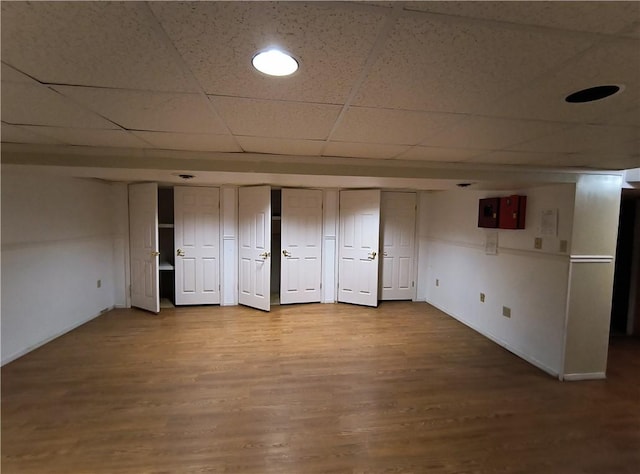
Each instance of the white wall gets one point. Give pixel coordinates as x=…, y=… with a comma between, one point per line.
x=58, y=239
x=531, y=282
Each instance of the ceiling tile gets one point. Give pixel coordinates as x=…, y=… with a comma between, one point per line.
x=611, y=161
x=189, y=141
x=434, y=63
x=263, y=118
x=39, y=105
x=110, y=44
x=399, y=127
x=363, y=150
x=629, y=117
x=18, y=134
x=91, y=137
x=10, y=74
x=281, y=146
x=582, y=138
x=430, y=153
x=582, y=160
x=159, y=111
x=331, y=43
x=613, y=62
x=516, y=158
x=597, y=17
x=491, y=133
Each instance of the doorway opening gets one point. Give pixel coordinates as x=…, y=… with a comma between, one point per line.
x=276, y=241
x=625, y=306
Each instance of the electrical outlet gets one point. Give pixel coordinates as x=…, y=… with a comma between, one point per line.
x=99, y=284
x=506, y=312
x=563, y=246
x=437, y=282
x=482, y=297
x=537, y=243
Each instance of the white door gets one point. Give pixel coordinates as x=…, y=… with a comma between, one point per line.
x=358, y=247
x=254, y=235
x=398, y=216
x=143, y=246
x=301, y=234
x=197, y=245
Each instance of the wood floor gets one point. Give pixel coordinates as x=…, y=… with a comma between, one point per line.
x=306, y=389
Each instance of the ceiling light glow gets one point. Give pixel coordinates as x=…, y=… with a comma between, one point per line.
x=275, y=63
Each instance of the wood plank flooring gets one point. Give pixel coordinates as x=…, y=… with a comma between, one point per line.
x=308, y=389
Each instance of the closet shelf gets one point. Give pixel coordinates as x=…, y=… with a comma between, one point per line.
x=165, y=226
x=165, y=266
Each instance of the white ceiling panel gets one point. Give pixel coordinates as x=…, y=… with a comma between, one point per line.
x=265, y=118
x=330, y=41
x=435, y=63
x=430, y=153
x=91, y=137
x=189, y=141
x=613, y=62
x=584, y=138
x=281, y=146
x=110, y=44
x=398, y=127
x=39, y=105
x=155, y=111
x=580, y=160
x=611, y=161
x=18, y=134
x=364, y=150
x=491, y=133
x=9, y=74
x=629, y=117
x=517, y=158
x=597, y=17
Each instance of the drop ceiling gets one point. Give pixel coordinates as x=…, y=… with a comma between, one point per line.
x=413, y=86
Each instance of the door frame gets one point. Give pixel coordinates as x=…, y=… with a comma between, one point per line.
x=414, y=270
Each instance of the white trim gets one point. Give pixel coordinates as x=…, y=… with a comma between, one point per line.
x=70, y=328
x=532, y=360
x=591, y=258
x=585, y=376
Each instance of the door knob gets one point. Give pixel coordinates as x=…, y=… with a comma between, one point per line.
x=372, y=255
x=265, y=255
x=180, y=253
x=155, y=254
x=286, y=253
x=384, y=254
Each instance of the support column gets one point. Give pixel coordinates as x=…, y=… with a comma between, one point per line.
x=593, y=247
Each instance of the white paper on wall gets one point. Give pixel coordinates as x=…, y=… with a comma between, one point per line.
x=549, y=222
x=491, y=242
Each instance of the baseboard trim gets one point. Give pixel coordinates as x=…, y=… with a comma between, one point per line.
x=20, y=353
x=532, y=360
x=585, y=376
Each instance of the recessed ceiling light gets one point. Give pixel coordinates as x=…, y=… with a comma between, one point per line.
x=591, y=94
x=275, y=63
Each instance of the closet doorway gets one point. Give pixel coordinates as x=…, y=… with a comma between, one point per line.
x=280, y=241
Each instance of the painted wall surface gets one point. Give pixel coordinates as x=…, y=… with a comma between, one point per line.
x=57, y=242
x=531, y=282
x=595, y=231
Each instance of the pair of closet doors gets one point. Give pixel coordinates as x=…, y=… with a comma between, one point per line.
x=192, y=253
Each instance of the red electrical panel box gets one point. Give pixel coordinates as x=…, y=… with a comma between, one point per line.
x=488, y=212
x=512, y=212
